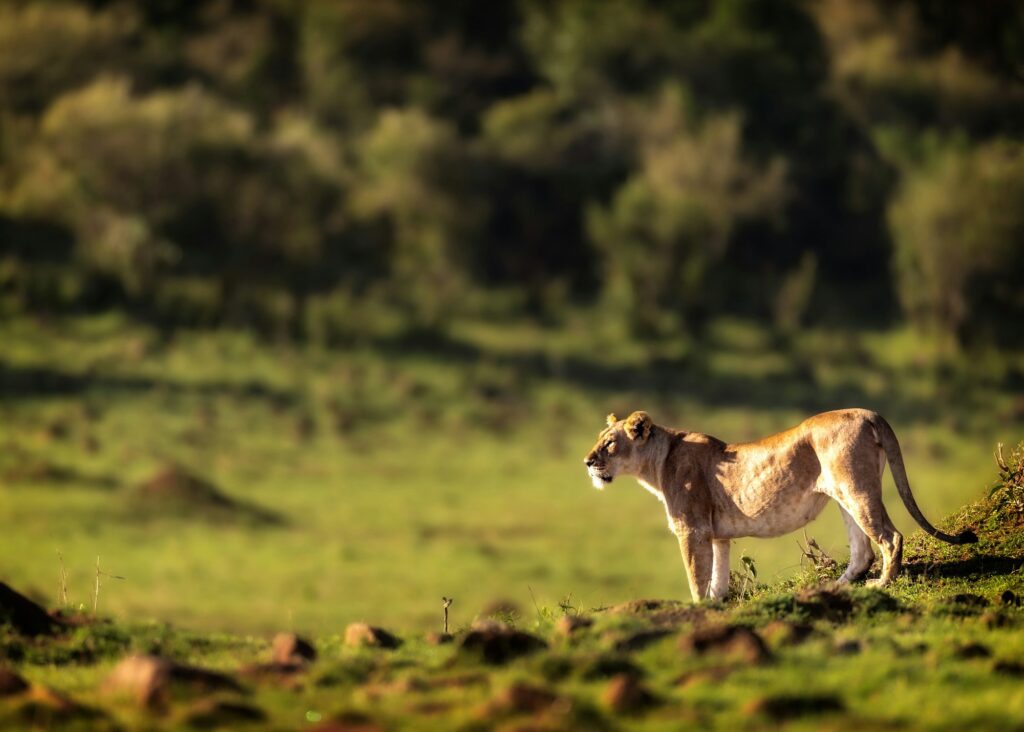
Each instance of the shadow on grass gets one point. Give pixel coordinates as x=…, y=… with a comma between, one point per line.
x=979, y=566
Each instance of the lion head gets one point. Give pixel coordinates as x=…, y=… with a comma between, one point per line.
x=618, y=448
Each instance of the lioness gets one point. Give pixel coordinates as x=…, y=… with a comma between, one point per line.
x=714, y=492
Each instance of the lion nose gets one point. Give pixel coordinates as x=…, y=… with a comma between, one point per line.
x=589, y=461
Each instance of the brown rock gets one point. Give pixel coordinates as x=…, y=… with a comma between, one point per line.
x=438, y=639
x=734, y=641
x=361, y=634
x=10, y=683
x=626, y=695
x=500, y=644
x=569, y=625
x=152, y=679
x=784, y=707
x=25, y=616
x=289, y=648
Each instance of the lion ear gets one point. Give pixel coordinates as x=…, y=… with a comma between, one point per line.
x=638, y=426
x=611, y=419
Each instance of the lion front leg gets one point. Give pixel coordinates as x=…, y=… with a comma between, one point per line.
x=698, y=558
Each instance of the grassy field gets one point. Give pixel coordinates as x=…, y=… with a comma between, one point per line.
x=394, y=471
x=940, y=649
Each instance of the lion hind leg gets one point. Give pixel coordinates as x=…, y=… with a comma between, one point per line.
x=861, y=554
x=871, y=517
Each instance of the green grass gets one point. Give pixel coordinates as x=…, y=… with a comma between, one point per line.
x=407, y=472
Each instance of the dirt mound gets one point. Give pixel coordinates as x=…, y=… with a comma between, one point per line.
x=175, y=491
x=626, y=694
x=497, y=644
x=735, y=642
x=660, y=612
x=361, y=634
x=25, y=616
x=153, y=680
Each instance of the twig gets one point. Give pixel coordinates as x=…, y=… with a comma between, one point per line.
x=999, y=458
x=819, y=559
x=96, y=591
x=447, y=603
x=62, y=587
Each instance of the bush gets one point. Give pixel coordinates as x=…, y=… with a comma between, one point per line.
x=958, y=226
x=670, y=223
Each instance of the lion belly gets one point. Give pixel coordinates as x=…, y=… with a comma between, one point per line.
x=766, y=493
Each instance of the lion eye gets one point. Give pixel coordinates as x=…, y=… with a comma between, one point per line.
x=610, y=448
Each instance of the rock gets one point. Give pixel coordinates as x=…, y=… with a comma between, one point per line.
x=626, y=695
x=363, y=635
x=568, y=625
x=25, y=616
x=151, y=680
x=11, y=684
x=289, y=648
x=640, y=639
x=790, y=706
x=972, y=650
x=734, y=641
x=785, y=633
x=500, y=644
x=438, y=639
x=218, y=713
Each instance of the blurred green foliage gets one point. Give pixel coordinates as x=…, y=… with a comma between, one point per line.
x=313, y=169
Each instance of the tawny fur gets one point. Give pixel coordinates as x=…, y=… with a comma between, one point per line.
x=714, y=492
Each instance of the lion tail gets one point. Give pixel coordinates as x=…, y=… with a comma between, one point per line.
x=899, y=473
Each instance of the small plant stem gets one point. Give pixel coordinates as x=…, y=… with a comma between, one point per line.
x=96, y=592
x=447, y=603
